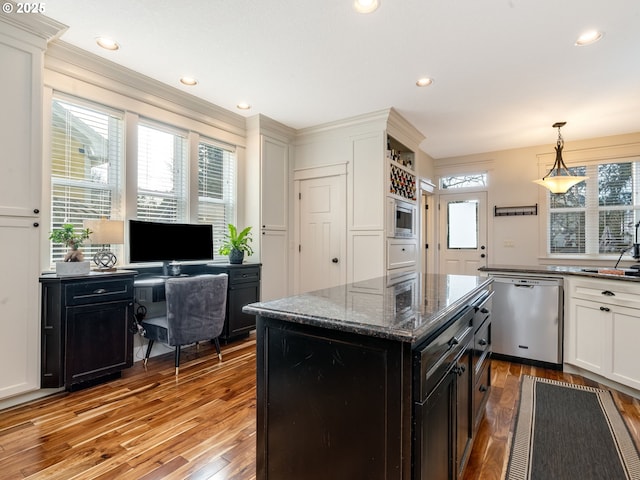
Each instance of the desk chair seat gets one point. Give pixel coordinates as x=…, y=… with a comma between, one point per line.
x=195, y=312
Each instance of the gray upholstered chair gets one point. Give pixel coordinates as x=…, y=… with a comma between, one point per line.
x=195, y=312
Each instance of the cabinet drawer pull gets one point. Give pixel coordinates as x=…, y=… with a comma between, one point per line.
x=482, y=342
x=605, y=309
x=608, y=293
x=100, y=291
x=483, y=388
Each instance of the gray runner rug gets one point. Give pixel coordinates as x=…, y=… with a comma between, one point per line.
x=566, y=431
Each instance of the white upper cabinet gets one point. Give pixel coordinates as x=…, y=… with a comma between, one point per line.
x=274, y=183
x=20, y=128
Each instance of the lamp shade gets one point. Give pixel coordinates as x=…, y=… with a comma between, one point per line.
x=105, y=231
x=559, y=183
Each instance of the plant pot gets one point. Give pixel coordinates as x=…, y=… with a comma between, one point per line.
x=72, y=268
x=236, y=257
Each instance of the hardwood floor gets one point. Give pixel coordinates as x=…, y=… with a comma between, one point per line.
x=150, y=425
x=490, y=455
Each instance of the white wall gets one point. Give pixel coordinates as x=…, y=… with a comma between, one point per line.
x=517, y=240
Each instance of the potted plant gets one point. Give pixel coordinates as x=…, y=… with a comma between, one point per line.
x=236, y=244
x=73, y=262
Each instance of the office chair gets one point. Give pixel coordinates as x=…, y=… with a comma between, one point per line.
x=195, y=312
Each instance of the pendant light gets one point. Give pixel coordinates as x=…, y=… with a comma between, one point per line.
x=562, y=180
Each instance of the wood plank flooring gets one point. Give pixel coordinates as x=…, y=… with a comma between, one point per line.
x=150, y=425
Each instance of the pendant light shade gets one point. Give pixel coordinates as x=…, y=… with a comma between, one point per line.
x=558, y=179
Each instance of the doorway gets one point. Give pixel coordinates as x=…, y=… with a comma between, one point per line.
x=463, y=233
x=322, y=233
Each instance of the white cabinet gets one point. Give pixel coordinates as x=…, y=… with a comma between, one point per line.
x=19, y=318
x=603, y=327
x=274, y=224
x=22, y=43
x=274, y=187
x=273, y=245
x=21, y=100
x=267, y=201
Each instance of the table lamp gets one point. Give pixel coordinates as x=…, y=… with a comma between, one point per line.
x=105, y=232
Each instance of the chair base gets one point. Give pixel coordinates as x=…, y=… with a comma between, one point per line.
x=216, y=341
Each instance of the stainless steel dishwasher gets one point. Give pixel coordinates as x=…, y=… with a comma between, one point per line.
x=527, y=318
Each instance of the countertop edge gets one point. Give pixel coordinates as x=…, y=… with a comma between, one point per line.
x=559, y=270
x=415, y=336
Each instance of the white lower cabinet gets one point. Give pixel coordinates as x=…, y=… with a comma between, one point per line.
x=603, y=328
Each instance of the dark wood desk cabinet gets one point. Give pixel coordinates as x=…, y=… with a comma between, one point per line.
x=86, y=330
x=244, y=288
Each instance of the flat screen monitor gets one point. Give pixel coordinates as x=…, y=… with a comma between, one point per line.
x=168, y=242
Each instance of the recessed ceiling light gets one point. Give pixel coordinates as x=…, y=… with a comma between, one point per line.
x=243, y=106
x=365, y=6
x=588, y=38
x=107, y=43
x=189, y=81
x=424, y=82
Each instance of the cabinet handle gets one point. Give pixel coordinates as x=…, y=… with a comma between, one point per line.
x=36, y=211
x=608, y=293
x=605, y=309
x=100, y=291
x=484, y=310
x=483, y=388
x=482, y=342
x=36, y=224
x=334, y=260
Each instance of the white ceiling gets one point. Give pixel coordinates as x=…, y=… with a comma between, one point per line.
x=504, y=70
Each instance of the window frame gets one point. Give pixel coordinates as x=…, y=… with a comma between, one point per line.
x=192, y=131
x=115, y=187
x=591, y=159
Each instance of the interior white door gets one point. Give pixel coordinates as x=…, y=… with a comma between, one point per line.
x=463, y=233
x=322, y=233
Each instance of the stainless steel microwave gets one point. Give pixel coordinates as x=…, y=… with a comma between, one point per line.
x=404, y=224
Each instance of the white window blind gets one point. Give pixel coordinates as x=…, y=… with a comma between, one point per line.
x=216, y=188
x=597, y=216
x=86, y=166
x=162, y=175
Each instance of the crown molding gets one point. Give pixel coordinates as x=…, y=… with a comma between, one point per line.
x=68, y=60
x=41, y=26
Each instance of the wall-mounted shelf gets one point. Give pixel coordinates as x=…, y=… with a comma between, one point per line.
x=513, y=211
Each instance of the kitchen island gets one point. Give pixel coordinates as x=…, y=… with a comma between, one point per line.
x=341, y=377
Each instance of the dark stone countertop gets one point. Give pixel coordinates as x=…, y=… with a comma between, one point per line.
x=406, y=308
x=624, y=274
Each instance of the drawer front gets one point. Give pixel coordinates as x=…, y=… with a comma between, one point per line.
x=616, y=292
x=481, y=391
x=482, y=346
x=98, y=291
x=244, y=275
x=401, y=254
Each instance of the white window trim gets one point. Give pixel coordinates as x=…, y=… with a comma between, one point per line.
x=580, y=157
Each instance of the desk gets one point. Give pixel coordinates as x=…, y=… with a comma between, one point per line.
x=243, y=289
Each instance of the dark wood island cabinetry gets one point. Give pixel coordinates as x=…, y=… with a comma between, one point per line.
x=370, y=380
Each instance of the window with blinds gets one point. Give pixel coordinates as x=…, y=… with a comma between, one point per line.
x=86, y=167
x=216, y=188
x=597, y=216
x=162, y=175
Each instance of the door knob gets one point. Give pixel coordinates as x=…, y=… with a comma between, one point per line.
x=334, y=260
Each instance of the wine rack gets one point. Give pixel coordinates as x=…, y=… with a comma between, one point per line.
x=402, y=183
